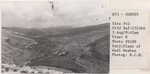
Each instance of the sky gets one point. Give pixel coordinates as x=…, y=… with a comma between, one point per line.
x=39, y=14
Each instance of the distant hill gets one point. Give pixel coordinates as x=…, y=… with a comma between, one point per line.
x=35, y=32
x=79, y=30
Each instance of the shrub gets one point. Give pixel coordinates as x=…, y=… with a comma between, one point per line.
x=23, y=71
x=6, y=69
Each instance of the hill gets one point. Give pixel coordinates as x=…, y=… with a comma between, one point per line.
x=36, y=32
x=15, y=48
x=78, y=49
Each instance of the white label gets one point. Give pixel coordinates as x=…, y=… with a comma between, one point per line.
x=129, y=39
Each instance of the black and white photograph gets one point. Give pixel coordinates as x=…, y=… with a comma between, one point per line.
x=55, y=36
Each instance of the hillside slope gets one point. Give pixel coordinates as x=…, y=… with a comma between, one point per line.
x=15, y=48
